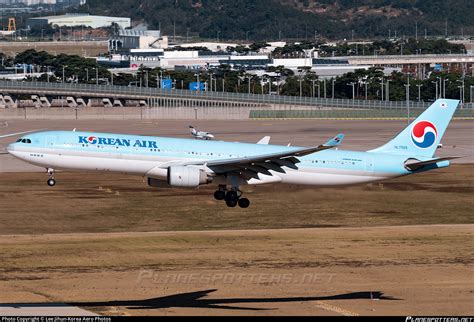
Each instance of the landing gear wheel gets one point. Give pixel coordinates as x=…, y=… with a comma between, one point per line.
x=219, y=195
x=231, y=195
x=231, y=203
x=244, y=203
x=51, y=182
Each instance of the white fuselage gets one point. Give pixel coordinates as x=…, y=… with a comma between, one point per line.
x=318, y=169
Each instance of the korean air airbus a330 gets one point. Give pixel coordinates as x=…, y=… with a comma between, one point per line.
x=189, y=163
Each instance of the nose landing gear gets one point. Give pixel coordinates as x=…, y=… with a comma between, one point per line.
x=232, y=197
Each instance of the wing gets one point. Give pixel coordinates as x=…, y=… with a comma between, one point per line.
x=18, y=133
x=251, y=166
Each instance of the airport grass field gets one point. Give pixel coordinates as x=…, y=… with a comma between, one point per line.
x=91, y=202
x=110, y=244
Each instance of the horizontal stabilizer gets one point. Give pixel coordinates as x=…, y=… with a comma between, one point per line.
x=414, y=164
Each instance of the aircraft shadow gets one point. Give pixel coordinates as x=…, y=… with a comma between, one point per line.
x=198, y=300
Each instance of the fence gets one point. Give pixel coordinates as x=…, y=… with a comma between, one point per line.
x=88, y=90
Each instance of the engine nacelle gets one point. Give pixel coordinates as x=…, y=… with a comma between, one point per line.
x=187, y=176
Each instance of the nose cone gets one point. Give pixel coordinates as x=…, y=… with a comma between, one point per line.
x=11, y=147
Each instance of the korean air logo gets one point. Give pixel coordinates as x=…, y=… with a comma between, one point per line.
x=92, y=140
x=443, y=104
x=424, y=134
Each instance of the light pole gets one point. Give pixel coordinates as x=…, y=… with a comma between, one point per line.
x=96, y=76
x=388, y=90
x=63, y=71
x=407, y=86
x=324, y=84
x=300, y=74
x=471, y=87
x=382, y=86
x=319, y=89
x=353, y=89
x=436, y=83
x=460, y=94
x=440, y=87
x=444, y=87
x=112, y=78
x=301, y=87
x=333, y=81
x=197, y=80
x=87, y=75
x=313, y=92
x=461, y=91
x=419, y=91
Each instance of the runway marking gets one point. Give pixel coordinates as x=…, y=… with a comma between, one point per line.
x=336, y=309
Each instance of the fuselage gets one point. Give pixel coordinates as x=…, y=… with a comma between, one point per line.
x=146, y=155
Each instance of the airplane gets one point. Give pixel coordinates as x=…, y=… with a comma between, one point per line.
x=187, y=163
x=201, y=135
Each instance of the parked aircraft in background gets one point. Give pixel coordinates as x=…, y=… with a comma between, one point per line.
x=201, y=135
x=186, y=163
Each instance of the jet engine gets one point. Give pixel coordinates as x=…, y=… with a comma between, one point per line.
x=187, y=176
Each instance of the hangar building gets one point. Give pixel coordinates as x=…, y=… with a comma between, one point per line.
x=73, y=20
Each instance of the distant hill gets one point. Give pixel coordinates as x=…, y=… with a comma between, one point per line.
x=275, y=19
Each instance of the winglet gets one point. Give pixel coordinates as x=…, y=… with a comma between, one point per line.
x=264, y=140
x=335, y=141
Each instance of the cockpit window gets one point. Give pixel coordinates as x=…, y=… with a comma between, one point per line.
x=28, y=141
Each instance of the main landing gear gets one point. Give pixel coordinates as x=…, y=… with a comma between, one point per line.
x=51, y=182
x=232, y=197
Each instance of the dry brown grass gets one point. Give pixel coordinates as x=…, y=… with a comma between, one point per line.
x=91, y=202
